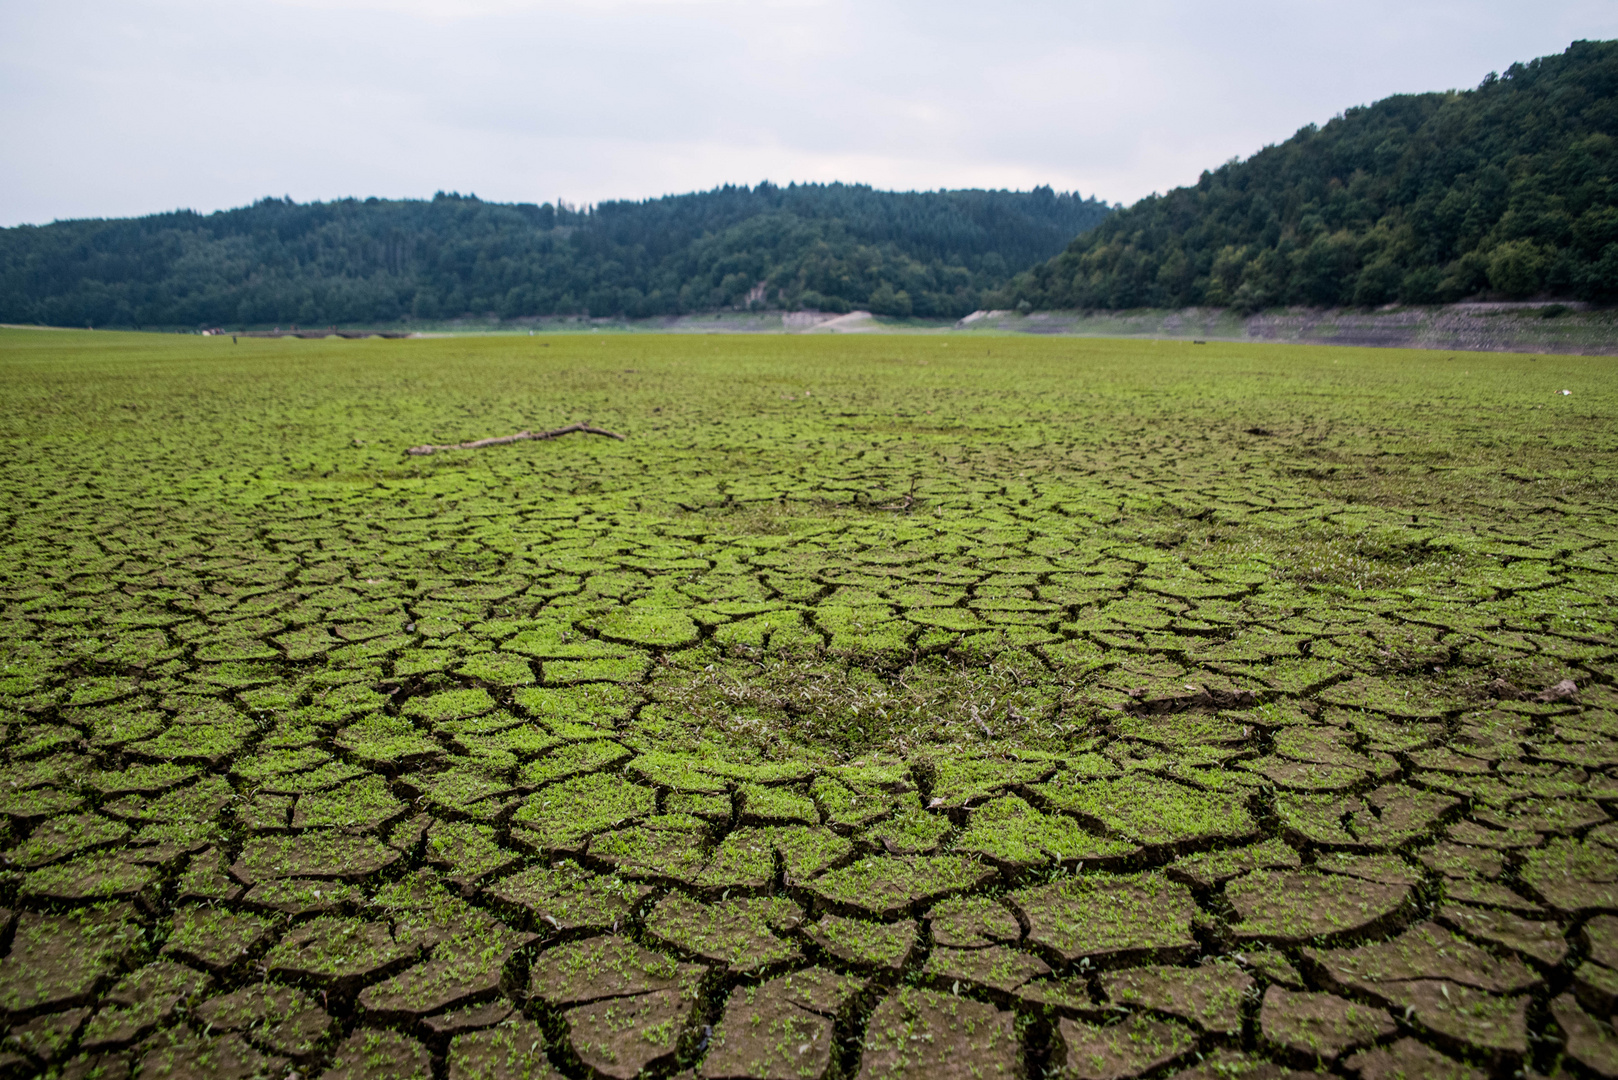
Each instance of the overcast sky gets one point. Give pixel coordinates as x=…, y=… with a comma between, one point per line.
x=117, y=107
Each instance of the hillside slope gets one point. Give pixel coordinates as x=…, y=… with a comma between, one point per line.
x=832, y=247
x=1510, y=189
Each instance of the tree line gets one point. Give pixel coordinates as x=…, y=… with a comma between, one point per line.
x=1509, y=190
x=832, y=247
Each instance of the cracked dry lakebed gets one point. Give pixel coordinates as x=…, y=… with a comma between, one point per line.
x=875, y=708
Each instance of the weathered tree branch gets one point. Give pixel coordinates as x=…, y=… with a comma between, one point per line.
x=501, y=440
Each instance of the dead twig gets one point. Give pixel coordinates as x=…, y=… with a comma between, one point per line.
x=501, y=440
x=907, y=503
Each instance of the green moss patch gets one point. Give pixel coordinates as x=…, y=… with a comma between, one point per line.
x=1212, y=868
x=676, y=772
x=1014, y=836
x=846, y=807
x=278, y=762
x=912, y=831
x=215, y=938
x=498, y=669
x=573, y=759
x=765, y=1033
x=1424, y=952
x=744, y=934
x=197, y=802
x=1107, y=918
x=887, y=886
x=466, y=851
x=140, y=1001
x=1290, y=907
x=1209, y=997
x=992, y=968
x=622, y=1037
x=918, y=1033
x=972, y=922
x=379, y=1054
x=520, y=740
x=959, y=782
x=1149, y=810
x=805, y=852
x=468, y=789
x=62, y=837
x=1320, y=1026
x=511, y=1051
x=359, y=804
x=449, y=705
x=714, y=809
x=324, y=778
x=563, y=816
x=468, y=968
x=763, y=805
x=649, y=629
x=57, y=960
x=388, y=742
x=104, y=876
x=865, y=944
x=674, y=850
x=1128, y=1047
x=611, y=670
x=600, y=968
x=151, y=779
x=338, y=954
x=566, y=897
x=113, y=729
x=285, y=1020
x=603, y=705
x=339, y=855
x=1573, y=875
x=208, y=744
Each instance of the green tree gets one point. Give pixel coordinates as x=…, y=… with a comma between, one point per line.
x=1378, y=283
x=1517, y=268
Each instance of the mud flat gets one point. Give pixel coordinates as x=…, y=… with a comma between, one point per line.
x=1568, y=328
x=878, y=706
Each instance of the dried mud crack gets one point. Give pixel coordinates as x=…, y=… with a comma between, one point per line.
x=1097, y=710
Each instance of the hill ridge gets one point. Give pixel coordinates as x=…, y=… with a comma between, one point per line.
x=1509, y=190
x=834, y=247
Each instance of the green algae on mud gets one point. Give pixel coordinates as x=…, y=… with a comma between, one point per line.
x=974, y=665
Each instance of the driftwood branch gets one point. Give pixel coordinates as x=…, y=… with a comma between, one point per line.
x=501, y=440
x=907, y=502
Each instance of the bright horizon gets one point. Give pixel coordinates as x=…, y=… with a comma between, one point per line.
x=114, y=110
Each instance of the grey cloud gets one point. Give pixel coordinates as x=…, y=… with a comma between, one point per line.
x=141, y=105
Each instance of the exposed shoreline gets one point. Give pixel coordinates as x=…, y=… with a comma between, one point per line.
x=1568, y=328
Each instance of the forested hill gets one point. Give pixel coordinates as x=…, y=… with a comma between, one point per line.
x=832, y=247
x=1509, y=190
